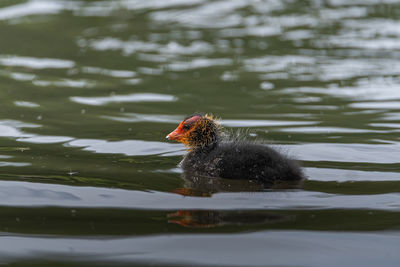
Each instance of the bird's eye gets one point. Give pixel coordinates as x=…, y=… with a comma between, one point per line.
x=186, y=127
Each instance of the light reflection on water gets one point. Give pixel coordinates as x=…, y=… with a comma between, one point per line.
x=89, y=89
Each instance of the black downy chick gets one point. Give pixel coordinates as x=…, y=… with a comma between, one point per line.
x=209, y=155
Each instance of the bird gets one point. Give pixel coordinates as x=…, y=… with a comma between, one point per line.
x=212, y=154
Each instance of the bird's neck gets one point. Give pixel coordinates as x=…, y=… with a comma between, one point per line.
x=204, y=148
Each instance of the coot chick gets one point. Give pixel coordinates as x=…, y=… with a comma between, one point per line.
x=210, y=155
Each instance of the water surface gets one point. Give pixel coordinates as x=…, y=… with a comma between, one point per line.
x=89, y=89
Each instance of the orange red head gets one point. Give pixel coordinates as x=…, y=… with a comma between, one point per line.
x=184, y=128
x=196, y=130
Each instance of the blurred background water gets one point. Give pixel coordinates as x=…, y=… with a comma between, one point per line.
x=89, y=89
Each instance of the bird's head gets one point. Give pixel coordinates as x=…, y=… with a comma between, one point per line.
x=196, y=131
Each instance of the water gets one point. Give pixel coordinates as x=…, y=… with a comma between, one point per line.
x=89, y=89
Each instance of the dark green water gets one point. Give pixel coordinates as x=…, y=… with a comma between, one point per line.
x=89, y=90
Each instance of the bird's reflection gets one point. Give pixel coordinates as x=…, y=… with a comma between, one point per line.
x=200, y=186
x=203, y=186
x=216, y=218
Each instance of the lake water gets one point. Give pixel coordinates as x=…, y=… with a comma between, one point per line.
x=89, y=90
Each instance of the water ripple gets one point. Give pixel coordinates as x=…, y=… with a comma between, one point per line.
x=112, y=73
x=126, y=147
x=328, y=130
x=14, y=164
x=198, y=63
x=42, y=139
x=259, y=123
x=138, y=97
x=135, y=117
x=36, y=63
x=22, y=194
x=324, y=174
x=10, y=128
x=395, y=105
x=32, y=7
x=280, y=248
x=66, y=83
x=26, y=104
x=363, y=89
x=372, y=153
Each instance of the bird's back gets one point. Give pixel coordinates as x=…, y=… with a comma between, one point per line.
x=242, y=160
